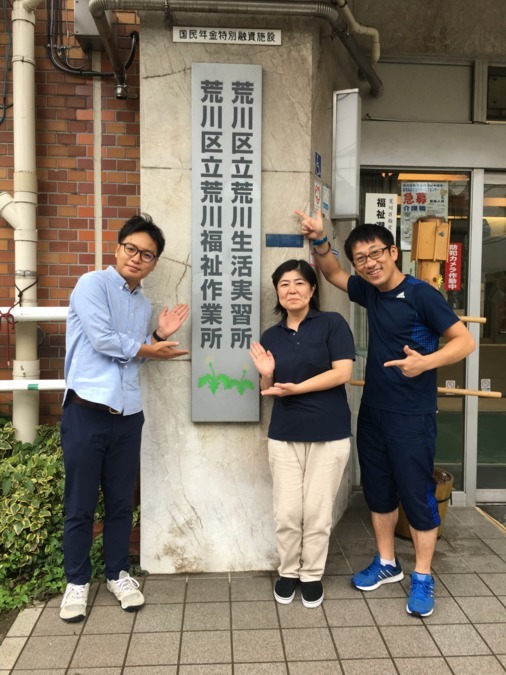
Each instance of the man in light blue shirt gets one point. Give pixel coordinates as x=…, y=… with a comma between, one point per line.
x=108, y=338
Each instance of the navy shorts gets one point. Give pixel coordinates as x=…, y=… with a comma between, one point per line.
x=396, y=454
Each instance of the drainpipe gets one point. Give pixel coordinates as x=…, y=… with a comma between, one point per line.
x=359, y=29
x=337, y=16
x=20, y=212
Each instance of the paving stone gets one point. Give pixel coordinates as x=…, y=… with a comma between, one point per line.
x=253, y=588
x=359, y=642
x=351, y=530
x=257, y=614
x=101, y=619
x=337, y=564
x=100, y=650
x=146, y=670
x=162, y=591
x=259, y=669
x=496, y=583
x=487, y=530
x=46, y=652
x=296, y=615
x=422, y=665
x=390, y=612
x=465, y=585
x=314, y=668
x=25, y=621
x=462, y=640
x=367, y=547
x=257, y=646
x=457, y=531
x=494, y=635
x=471, y=665
x=207, y=616
x=497, y=545
x=10, y=649
x=201, y=589
x=213, y=669
x=91, y=671
x=154, y=618
x=308, y=644
x=152, y=649
x=446, y=610
x=206, y=647
x=49, y=623
x=339, y=586
x=483, y=610
x=449, y=562
x=369, y=667
x=472, y=546
x=483, y=564
x=348, y=613
x=409, y=641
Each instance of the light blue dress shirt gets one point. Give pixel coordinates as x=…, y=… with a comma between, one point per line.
x=106, y=326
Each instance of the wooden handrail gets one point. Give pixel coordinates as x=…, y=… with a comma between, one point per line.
x=448, y=391
x=473, y=319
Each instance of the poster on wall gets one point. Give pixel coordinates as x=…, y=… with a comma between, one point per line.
x=226, y=210
x=421, y=199
x=381, y=209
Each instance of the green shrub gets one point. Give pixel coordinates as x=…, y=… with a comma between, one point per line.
x=31, y=518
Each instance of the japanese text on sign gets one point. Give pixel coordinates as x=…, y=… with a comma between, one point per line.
x=381, y=209
x=226, y=174
x=453, y=267
x=231, y=36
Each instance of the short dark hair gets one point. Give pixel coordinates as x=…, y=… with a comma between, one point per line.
x=307, y=272
x=367, y=233
x=143, y=223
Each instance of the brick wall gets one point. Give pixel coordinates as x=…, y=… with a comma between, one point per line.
x=65, y=223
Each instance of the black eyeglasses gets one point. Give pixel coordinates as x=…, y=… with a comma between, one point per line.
x=361, y=260
x=131, y=250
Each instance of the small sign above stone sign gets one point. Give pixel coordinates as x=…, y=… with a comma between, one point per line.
x=232, y=36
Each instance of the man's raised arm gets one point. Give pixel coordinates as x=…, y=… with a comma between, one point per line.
x=312, y=228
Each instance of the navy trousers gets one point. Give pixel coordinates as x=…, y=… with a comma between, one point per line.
x=99, y=450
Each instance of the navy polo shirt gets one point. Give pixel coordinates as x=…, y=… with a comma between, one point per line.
x=319, y=416
x=414, y=314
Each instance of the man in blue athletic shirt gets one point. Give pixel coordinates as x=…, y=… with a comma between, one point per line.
x=396, y=430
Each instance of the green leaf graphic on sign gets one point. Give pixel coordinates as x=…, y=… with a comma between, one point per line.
x=213, y=381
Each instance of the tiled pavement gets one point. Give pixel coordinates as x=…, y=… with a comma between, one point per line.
x=230, y=624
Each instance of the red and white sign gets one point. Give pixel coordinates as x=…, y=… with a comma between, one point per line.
x=453, y=268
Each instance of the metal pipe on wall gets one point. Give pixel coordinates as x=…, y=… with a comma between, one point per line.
x=20, y=212
x=336, y=16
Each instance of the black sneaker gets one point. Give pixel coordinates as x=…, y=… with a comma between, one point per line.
x=284, y=590
x=312, y=593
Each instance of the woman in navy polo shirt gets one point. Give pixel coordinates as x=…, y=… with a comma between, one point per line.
x=304, y=362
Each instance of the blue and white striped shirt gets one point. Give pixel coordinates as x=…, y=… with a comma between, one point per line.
x=106, y=326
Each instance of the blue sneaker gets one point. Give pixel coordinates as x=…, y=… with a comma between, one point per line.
x=376, y=575
x=421, y=595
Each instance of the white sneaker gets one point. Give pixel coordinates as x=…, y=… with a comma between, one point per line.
x=126, y=590
x=73, y=605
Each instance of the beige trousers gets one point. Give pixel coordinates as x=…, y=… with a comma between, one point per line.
x=306, y=477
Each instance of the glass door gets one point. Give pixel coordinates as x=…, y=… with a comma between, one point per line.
x=491, y=445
